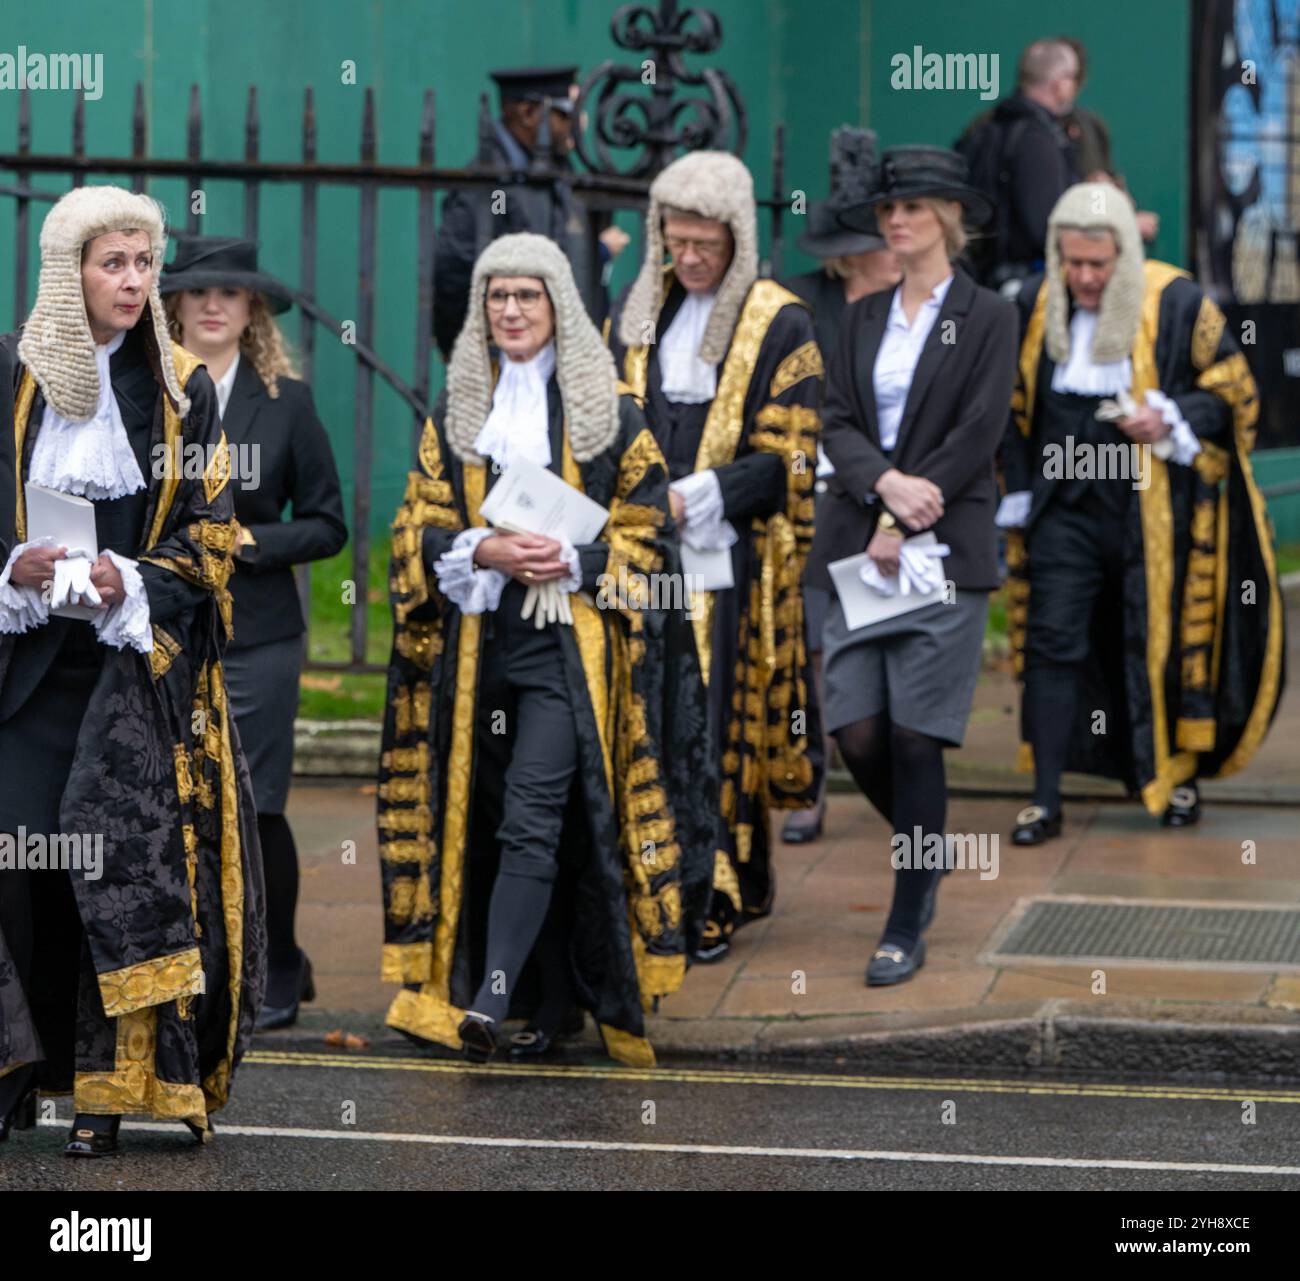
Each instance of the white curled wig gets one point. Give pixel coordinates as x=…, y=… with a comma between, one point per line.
x=1096, y=206
x=584, y=367
x=57, y=345
x=710, y=184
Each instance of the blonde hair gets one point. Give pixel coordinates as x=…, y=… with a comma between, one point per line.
x=261, y=342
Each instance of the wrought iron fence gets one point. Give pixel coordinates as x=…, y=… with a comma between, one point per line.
x=666, y=125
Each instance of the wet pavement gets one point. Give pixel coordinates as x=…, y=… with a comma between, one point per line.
x=320, y=1121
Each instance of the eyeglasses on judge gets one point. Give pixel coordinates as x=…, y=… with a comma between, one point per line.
x=714, y=247
x=528, y=299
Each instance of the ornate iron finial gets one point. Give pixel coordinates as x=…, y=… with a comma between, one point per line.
x=655, y=125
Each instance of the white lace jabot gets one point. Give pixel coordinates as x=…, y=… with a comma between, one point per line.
x=92, y=458
x=519, y=424
x=1081, y=374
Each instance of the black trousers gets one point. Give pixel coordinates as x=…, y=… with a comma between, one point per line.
x=39, y=919
x=1076, y=570
x=527, y=741
x=1076, y=558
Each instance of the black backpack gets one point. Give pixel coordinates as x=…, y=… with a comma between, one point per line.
x=988, y=147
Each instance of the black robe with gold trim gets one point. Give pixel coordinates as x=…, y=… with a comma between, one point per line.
x=174, y=927
x=636, y=855
x=751, y=637
x=1201, y=668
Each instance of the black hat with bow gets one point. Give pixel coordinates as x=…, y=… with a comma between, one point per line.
x=909, y=173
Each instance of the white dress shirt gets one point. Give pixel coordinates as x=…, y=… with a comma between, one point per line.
x=900, y=349
x=226, y=384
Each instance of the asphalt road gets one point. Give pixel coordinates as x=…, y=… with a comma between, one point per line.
x=311, y=1120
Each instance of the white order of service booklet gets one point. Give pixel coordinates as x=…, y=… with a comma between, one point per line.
x=70, y=522
x=861, y=605
x=529, y=499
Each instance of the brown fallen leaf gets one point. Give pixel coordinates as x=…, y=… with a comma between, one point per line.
x=347, y=1040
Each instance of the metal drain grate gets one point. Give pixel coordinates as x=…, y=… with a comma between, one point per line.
x=1186, y=933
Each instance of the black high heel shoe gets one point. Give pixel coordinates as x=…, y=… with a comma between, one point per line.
x=17, y=1101
x=272, y=1016
x=93, y=1136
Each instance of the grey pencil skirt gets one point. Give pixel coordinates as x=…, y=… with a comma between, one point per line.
x=920, y=667
x=262, y=684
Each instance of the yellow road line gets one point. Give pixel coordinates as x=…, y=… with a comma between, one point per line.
x=723, y=1076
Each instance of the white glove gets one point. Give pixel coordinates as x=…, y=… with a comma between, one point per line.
x=72, y=585
x=920, y=570
x=546, y=603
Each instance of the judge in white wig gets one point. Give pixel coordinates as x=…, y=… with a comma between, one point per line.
x=114, y=738
x=732, y=378
x=1122, y=611
x=544, y=788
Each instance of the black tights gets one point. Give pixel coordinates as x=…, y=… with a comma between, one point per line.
x=901, y=773
x=280, y=865
x=524, y=909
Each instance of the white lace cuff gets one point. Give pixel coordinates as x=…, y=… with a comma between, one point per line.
x=569, y=555
x=21, y=608
x=127, y=622
x=1184, y=440
x=1013, y=510
x=471, y=590
x=705, y=530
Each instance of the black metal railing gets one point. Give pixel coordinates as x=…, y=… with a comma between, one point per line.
x=669, y=125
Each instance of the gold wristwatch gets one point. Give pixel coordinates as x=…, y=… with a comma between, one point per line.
x=889, y=525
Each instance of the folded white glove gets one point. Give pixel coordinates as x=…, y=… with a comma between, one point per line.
x=546, y=603
x=920, y=570
x=72, y=585
x=1124, y=406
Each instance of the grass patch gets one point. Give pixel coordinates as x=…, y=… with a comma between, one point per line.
x=346, y=695
x=1288, y=558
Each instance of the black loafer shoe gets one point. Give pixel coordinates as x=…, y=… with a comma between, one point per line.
x=92, y=1137
x=532, y=1043
x=1184, y=808
x=477, y=1037
x=1034, y=826
x=714, y=944
x=804, y=826
x=891, y=964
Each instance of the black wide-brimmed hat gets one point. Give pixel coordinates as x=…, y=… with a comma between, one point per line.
x=825, y=238
x=213, y=262
x=907, y=173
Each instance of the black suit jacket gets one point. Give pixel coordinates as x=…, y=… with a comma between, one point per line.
x=295, y=465
x=952, y=424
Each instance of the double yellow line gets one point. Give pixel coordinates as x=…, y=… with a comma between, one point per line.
x=805, y=1080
